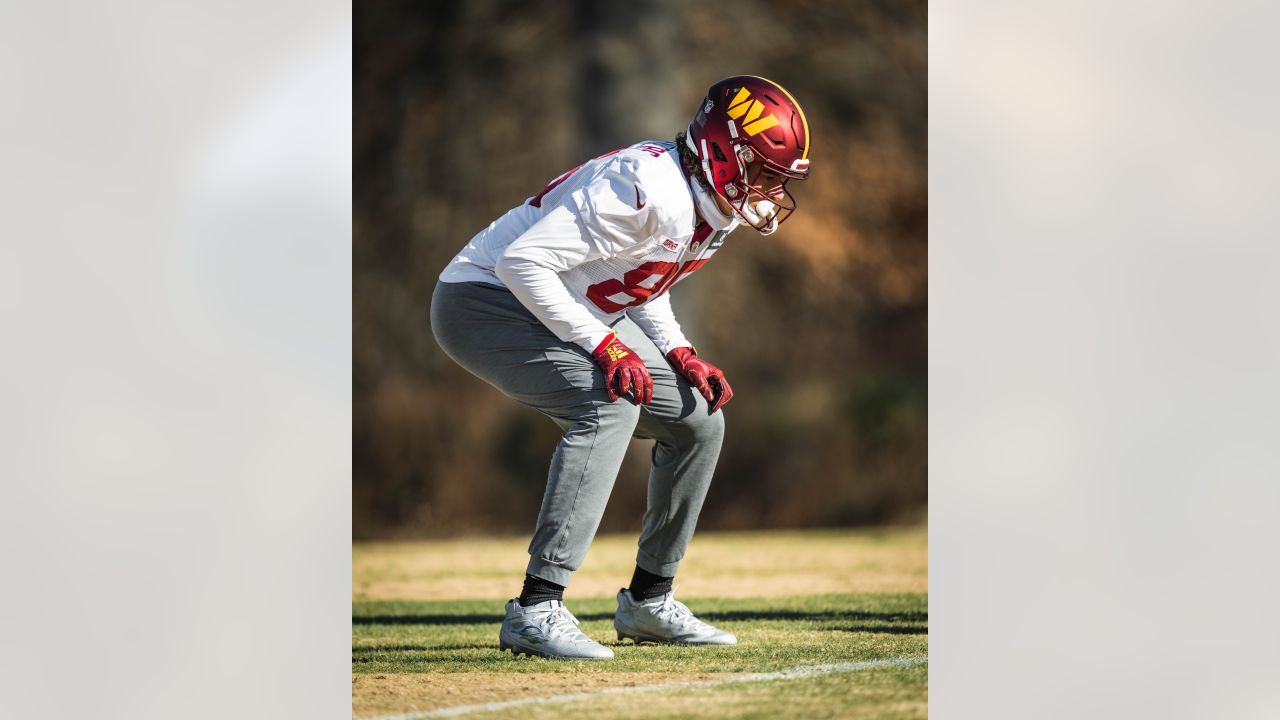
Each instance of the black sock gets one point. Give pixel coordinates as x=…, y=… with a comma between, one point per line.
x=537, y=590
x=645, y=585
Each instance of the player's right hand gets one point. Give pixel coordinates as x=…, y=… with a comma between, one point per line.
x=624, y=371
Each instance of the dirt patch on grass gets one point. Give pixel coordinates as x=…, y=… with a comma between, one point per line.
x=717, y=565
x=390, y=693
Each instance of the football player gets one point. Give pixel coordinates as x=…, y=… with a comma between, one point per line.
x=563, y=305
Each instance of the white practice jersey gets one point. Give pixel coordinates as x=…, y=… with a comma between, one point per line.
x=606, y=238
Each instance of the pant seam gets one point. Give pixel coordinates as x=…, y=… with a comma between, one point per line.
x=577, y=491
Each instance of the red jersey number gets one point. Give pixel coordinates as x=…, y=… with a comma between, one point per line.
x=637, y=286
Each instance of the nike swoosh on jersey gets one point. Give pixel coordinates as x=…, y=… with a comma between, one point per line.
x=639, y=205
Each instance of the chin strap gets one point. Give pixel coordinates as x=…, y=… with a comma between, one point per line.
x=762, y=212
x=708, y=208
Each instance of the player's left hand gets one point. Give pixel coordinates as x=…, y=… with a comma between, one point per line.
x=707, y=378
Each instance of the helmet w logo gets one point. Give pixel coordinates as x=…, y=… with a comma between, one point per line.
x=752, y=124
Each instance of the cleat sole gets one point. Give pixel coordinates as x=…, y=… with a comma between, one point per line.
x=517, y=651
x=638, y=639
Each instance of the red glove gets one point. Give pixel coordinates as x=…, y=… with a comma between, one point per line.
x=702, y=375
x=625, y=368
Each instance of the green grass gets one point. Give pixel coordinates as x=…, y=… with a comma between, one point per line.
x=423, y=654
x=882, y=693
x=773, y=634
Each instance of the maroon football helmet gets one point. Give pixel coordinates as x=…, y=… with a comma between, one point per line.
x=752, y=137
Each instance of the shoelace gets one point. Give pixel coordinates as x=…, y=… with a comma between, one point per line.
x=562, y=622
x=677, y=612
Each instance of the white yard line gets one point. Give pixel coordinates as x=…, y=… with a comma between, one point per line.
x=795, y=673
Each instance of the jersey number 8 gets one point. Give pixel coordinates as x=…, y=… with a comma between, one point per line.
x=637, y=286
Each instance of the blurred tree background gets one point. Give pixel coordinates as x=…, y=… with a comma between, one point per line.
x=464, y=109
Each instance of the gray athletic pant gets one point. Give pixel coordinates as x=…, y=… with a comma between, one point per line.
x=486, y=330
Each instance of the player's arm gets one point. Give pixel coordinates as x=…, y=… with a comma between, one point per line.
x=530, y=268
x=658, y=321
x=596, y=224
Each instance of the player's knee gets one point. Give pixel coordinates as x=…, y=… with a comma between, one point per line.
x=703, y=428
x=619, y=414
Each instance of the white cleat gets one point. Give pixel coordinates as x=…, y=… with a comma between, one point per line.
x=547, y=630
x=664, y=620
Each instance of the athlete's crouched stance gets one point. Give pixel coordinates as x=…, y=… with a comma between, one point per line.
x=562, y=305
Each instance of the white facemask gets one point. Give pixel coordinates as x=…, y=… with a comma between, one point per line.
x=708, y=208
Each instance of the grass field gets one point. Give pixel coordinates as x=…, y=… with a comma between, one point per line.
x=425, y=622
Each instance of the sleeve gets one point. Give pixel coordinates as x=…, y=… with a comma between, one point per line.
x=595, y=221
x=615, y=210
x=530, y=267
x=657, y=321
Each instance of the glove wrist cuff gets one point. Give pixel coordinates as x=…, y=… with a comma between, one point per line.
x=611, y=337
x=611, y=350
x=679, y=356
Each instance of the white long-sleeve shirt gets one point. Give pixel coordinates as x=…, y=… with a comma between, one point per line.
x=606, y=238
